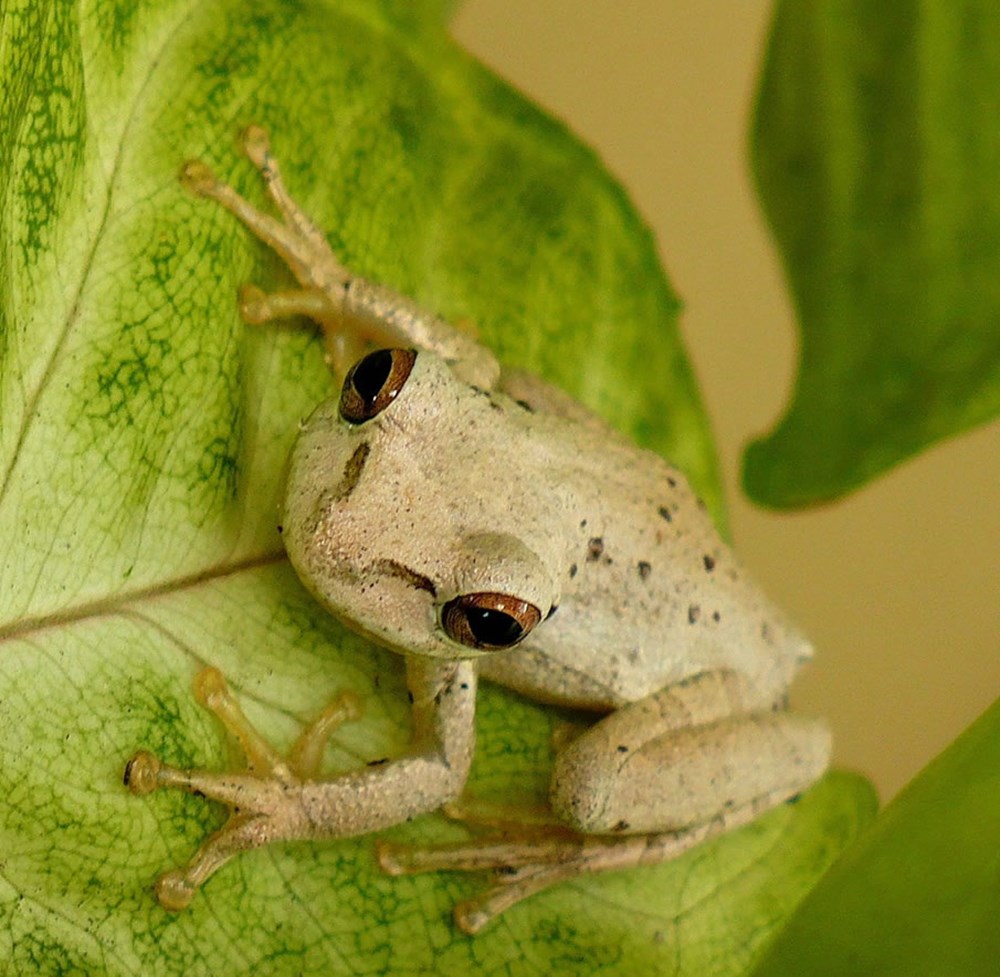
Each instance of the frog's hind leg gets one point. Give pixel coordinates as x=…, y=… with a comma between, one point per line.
x=682, y=756
x=642, y=786
x=527, y=860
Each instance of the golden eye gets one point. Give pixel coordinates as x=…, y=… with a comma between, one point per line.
x=488, y=620
x=374, y=382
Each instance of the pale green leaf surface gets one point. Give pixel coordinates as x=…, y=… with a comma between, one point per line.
x=920, y=892
x=143, y=437
x=876, y=152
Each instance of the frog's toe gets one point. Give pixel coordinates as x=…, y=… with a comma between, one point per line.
x=243, y=831
x=198, y=178
x=174, y=892
x=254, y=305
x=520, y=868
x=256, y=144
x=505, y=854
x=142, y=773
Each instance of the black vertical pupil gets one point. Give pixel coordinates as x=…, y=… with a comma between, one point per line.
x=491, y=627
x=370, y=375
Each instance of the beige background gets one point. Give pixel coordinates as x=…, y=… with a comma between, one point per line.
x=899, y=585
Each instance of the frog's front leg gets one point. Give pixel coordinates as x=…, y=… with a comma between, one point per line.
x=282, y=798
x=353, y=312
x=641, y=786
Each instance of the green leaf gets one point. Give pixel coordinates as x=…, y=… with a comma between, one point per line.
x=919, y=893
x=876, y=153
x=144, y=433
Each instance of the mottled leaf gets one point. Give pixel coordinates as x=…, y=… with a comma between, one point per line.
x=143, y=437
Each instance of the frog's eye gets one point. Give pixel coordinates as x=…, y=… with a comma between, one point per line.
x=488, y=620
x=374, y=382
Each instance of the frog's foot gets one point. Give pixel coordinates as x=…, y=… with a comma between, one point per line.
x=528, y=857
x=261, y=798
x=296, y=238
x=299, y=242
x=355, y=314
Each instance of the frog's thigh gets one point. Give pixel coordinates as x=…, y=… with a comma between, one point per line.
x=685, y=756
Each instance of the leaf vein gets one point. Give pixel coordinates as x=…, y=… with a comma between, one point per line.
x=119, y=603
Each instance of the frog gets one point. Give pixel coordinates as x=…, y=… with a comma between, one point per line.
x=484, y=524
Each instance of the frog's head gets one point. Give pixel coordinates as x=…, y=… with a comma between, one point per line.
x=406, y=513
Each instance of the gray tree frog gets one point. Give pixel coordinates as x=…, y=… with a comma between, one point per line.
x=482, y=523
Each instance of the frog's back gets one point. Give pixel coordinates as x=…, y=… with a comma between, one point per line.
x=650, y=593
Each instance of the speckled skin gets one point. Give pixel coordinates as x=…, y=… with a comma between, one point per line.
x=472, y=491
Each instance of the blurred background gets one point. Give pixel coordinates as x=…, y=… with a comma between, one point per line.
x=899, y=584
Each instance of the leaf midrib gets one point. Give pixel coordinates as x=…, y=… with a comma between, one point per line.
x=118, y=603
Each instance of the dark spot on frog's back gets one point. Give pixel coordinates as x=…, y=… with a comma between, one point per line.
x=352, y=473
x=595, y=547
x=645, y=569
